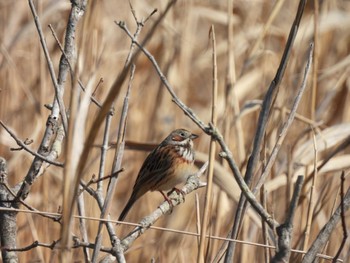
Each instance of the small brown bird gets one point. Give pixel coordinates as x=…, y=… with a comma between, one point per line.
x=165, y=167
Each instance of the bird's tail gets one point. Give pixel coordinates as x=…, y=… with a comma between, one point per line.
x=127, y=207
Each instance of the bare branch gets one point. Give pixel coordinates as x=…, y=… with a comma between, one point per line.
x=25, y=147
x=58, y=93
x=8, y=219
x=191, y=185
x=116, y=167
x=212, y=131
x=327, y=230
x=212, y=153
x=285, y=231
x=342, y=214
x=264, y=116
x=70, y=66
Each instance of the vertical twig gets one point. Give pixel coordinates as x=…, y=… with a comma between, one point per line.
x=212, y=131
x=74, y=140
x=198, y=218
x=315, y=65
x=342, y=214
x=71, y=69
x=104, y=149
x=112, y=95
x=311, y=205
x=212, y=150
x=51, y=126
x=120, y=143
x=326, y=231
x=8, y=220
x=334, y=206
x=287, y=124
x=268, y=101
x=116, y=166
x=275, y=11
x=232, y=103
x=264, y=227
x=285, y=230
x=82, y=225
x=58, y=89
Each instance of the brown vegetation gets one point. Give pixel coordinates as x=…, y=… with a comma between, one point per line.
x=182, y=47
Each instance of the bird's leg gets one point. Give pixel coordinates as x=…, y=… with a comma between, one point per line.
x=168, y=200
x=178, y=191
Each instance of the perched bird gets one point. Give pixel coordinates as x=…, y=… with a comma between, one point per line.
x=165, y=167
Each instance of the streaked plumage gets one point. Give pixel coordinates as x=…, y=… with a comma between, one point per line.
x=165, y=167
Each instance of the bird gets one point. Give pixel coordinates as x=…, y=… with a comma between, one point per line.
x=168, y=165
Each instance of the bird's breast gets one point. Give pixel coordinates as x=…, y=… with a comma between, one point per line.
x=180, y=174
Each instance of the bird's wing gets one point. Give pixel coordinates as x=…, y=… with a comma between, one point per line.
x=153, y=170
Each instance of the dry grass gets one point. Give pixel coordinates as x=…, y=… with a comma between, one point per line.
x=182, y=48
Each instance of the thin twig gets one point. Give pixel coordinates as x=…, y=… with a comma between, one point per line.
x=82, y=225
x=58, y=93
x=25, y=147
x=198, y=218
x=116, y=166
x=287, y=124
x=193, y=183
x=315, y=65
x=285, y=231
x=70, y=67
x=176, y=100
x=343, y=221
x=8, y=219
x=210, y=130
x=113, y=93
x=212, y=153
x=31, y=246
x=343, y=145
x=326, y=231
x=253, y=105
x=271, y=93
x=264, y=115
x=31, y=208
x=104, y=150
x=155, y=228
x=311, y=207
x=232, y=103
x=52, y=121
x=93, y=180
x=275, y=11
x=264, y=228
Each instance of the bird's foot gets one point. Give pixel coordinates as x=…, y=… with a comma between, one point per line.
x=178, y=191
x=168, y=200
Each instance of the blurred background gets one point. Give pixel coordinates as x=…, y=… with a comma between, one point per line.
x=182, y=48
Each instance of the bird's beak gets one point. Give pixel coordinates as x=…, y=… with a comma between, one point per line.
x=194, y=136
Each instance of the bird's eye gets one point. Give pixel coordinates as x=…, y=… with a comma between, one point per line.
x=182, y=134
